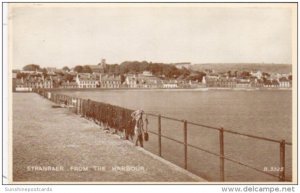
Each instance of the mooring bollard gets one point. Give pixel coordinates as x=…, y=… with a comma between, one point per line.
x=222, y=170
x=159, y=135
x=282, y=161
x=185, y=143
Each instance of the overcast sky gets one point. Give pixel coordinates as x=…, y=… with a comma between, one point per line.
x=69, y=36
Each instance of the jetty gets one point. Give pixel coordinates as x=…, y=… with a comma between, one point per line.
x=57, y=145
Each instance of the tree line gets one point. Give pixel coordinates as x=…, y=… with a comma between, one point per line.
x=162, y=70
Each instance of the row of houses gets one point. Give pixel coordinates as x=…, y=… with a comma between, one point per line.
x=282, y=82
x=87, y=80
x=148, y=80
x=31, y=83
x=144, y=80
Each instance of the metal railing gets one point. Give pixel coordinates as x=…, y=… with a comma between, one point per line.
x=221, y=154
x=58, y=98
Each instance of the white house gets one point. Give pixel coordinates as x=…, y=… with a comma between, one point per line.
x=84, y=82
x=170, y=84
x=284, y=83
x=110, y=81
x=182, y=65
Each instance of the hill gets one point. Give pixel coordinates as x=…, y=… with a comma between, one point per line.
x=225, y=67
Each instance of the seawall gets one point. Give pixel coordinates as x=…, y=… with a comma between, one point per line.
x=56, y=145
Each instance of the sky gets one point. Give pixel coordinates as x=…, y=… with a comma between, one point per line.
x=60, y=36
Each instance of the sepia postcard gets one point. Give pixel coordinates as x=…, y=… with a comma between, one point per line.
x=151, y=93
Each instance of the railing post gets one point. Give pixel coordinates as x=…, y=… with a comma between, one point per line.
x=77, y=106
x=282, y=161
x=185, y=143
x=80, y=107
x=159, y=135
x=222, y=170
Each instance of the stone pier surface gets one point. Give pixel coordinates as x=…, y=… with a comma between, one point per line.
x=56, y=145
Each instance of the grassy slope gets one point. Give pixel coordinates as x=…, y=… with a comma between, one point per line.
x=224, y=67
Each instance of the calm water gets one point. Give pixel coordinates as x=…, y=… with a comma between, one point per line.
x=265, y=113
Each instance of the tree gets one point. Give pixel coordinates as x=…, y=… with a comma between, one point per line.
x=60, y=73
x=185, y=72
x=122, y=79
x=78, y=69
x=113, y=69
x=229, y=73
x=86, y=69
x=21, y=75
x=245, y=74
x=44, y=71
x=235, y=73
x=57, y=83
x=83, y=69
x=265, y=80
x=32, y=67
x=265, y=74
x=66, y=69
x=157, y=69
x=196, y=76
x=68, y=77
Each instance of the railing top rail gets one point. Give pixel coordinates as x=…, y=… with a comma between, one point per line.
x=201, y=125
x=162, y=116
x=225, y=130
x=256, y=137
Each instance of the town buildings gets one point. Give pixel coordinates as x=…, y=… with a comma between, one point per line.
x=31, y=83
x=69, y=85
x=87, y=81
x=110, y=81
x=182, y=65
x=143, y=80
x=131, y=81
x=56, y=78
x=170, y=84
x=284, y=82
